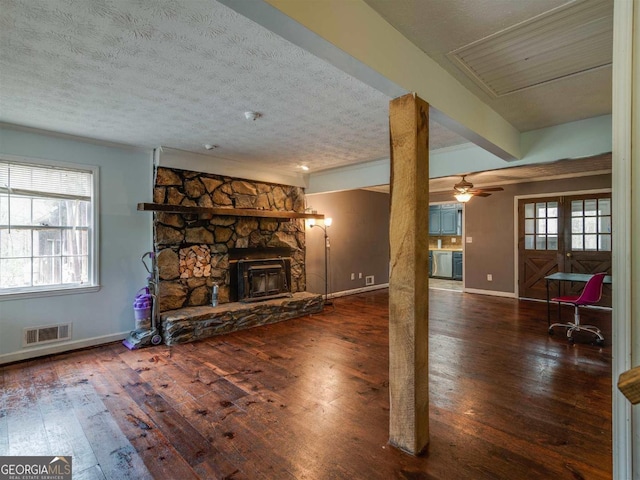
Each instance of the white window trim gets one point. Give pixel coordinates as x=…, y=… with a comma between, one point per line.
x=94, y=246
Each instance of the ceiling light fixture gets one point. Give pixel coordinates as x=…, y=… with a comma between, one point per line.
x=210, y=146
x=463, y=197
x=304, y=167
x=252, y=115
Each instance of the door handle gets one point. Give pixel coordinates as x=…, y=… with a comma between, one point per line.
x=569, y=255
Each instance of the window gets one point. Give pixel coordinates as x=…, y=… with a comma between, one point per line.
x=591, y=224
x=47, y=227
x=541, y=226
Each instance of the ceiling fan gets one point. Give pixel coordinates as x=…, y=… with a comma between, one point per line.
x=463, y=190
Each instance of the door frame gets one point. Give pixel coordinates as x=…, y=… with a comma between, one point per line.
x=462, y=237
x=516, y=259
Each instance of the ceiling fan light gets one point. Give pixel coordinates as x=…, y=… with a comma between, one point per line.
x=463, y=197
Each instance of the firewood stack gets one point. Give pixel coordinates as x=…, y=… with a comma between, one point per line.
x=195, y=261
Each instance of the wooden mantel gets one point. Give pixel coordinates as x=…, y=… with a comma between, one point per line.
x=233, y=212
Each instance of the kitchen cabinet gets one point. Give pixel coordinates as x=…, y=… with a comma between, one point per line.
x=457, y=265
x=443, y=219
x=434, y=219
x=448, y=219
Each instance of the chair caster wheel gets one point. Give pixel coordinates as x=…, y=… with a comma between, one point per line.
x=571, y=340
x=550, y=331
x=599, y=342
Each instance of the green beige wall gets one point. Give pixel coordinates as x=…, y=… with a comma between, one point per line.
x=125, y=234
x=359, y=240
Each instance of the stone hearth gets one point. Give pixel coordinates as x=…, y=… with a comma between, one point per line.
x=195, y=323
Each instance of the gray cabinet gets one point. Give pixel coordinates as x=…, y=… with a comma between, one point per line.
x=443, y=219
x=457, y=265
x=434, y=220
x=448, y=219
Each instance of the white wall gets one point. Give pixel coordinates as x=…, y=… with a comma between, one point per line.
x=125, y=234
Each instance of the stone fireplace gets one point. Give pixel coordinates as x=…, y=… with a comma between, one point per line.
x=255, y=254
x=194, y=249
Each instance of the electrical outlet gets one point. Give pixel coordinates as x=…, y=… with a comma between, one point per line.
x=360, y=275
x=369, y=280
x=489, y=277
x=353, y=276
x=453, y=240
x=469, y=239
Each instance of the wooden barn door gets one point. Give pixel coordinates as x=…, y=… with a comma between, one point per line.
x=563, y=234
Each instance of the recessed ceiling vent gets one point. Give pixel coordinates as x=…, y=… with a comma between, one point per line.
x=572, y=39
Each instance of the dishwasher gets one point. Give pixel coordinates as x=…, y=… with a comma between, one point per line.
x=442, y=264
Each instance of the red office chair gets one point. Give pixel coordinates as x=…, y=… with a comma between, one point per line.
x=591, y=294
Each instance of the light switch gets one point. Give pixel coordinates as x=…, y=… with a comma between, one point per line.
x=469, y=239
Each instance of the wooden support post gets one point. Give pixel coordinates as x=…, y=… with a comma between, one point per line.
x=409, y=275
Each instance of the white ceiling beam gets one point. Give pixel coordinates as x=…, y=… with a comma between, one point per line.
x=580, y=139
x=353, y=37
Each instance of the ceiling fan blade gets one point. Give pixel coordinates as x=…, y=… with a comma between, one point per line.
x=481, y=194
x=490, y=189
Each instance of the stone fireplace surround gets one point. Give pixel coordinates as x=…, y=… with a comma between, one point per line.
x=193, y=252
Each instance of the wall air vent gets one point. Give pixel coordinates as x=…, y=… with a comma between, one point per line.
x=46, y=334
x=569, y=40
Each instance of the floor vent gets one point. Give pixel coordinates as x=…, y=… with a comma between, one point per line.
x=47, y=334
x=369, y=280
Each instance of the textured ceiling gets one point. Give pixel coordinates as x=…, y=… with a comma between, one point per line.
x=181, y=74
x=440, y=27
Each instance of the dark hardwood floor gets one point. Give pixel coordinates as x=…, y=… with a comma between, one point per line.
x=308, y=399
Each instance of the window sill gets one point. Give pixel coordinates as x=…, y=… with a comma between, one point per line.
x=54, y=292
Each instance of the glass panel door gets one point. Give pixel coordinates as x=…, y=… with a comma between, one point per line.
x=563, y=234
x=541, y=226
x=591, y=224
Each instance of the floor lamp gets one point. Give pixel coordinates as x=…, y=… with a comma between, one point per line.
x=327, y=224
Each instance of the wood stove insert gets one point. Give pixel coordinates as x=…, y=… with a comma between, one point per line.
x=260, y=274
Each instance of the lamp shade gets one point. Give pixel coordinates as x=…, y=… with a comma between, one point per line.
x=463, y=197
x=328, y=221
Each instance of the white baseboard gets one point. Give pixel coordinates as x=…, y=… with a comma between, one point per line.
x=370, y=288
x=61, y=347
x=494, y=293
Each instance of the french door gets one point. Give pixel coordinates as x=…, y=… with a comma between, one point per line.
x=563, y=234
